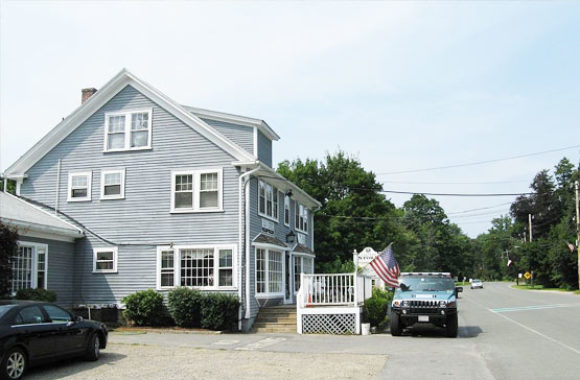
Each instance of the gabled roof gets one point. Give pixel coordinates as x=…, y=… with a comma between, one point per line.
x=99, y=99
x=235, y=119
x=17, y=212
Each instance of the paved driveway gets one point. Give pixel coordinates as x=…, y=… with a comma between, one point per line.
x=503, y=334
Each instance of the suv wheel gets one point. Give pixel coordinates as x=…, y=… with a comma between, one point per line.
x=395, y=325
x=451, y=326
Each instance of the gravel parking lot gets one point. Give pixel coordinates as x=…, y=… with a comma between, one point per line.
x=128, y=361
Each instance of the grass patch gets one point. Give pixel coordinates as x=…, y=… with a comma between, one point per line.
x=460, y=283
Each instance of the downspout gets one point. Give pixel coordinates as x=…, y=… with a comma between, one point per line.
x=242, y=183
x=57, y=187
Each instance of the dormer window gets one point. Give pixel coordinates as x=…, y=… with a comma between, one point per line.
x=129, y=130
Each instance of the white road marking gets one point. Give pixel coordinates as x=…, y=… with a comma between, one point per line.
x=226, y=342
x=261, y=344
x=527, y=328
x=535, y=307
x=540, y=334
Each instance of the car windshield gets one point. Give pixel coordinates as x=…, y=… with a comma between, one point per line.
x=427, y=283
x=476, y=281
x=4, y=309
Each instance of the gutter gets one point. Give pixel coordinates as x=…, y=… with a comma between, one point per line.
x=42, y=228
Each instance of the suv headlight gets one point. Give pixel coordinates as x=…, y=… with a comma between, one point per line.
x=442, y=304
x=405, y=303
x=451, y=304
x=396, y=303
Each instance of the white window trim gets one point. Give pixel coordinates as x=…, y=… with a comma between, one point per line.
x=272, y=217
x=115, y=256
x=111, y=171
x=287, y=207
x=196, y=175
x=177, y=266
x=267, y=248
x=304, y=214
x=34, y=280
x=127, y=115
x=88, y=174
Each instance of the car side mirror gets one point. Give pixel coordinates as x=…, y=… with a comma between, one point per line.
x=404, y=287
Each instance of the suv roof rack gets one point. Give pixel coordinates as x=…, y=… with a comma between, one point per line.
x=434, y=274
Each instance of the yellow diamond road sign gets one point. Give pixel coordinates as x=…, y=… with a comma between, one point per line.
x=527, y=275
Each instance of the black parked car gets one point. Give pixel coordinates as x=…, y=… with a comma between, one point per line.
x=34, y=332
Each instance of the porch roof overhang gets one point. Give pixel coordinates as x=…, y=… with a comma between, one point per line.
x=270, y=240
x=25, y=217
x=301, y=248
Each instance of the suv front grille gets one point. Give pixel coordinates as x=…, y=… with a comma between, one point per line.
x=424, y=304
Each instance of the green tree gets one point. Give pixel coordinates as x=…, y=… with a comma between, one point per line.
x=354, y=214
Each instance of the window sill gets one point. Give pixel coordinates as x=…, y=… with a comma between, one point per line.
x=105, y=272
x=72, y=200
x=127, y=150
x=215, y=288
x=269, y=218
x=111, y=198
x=269, y=295
x=202, y=211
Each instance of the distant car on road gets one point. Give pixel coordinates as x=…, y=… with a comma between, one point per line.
x=35, y=332
x=476, y=284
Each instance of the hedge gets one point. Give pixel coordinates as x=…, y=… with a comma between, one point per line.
x=37, y=294
x=145, y=308
x=376, y=307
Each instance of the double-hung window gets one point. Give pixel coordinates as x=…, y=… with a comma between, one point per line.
x=195, y=266
x=79, y=186
x=128, y=130
x=28, y=265
x=196, y=190
x=105, y=260
x=113, y=184
x=287, y=210
x=268, y=271
x=301, y=218
x=267, y=200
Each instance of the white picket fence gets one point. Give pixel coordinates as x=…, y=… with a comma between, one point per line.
x=331, y=303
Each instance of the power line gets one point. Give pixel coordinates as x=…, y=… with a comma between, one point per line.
x=455, y=194
x=454, y=183
x=480, y=162
x=479, y=209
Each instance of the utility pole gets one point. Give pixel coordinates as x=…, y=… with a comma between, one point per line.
x=530, y=225
x=578, y=229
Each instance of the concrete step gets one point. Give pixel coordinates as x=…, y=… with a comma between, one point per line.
x=275, y=319
x=274, y=330
x=276, y=324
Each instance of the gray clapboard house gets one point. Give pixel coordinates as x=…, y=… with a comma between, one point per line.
x=163, y=195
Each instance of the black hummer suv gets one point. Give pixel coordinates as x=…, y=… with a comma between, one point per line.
x=425, y=298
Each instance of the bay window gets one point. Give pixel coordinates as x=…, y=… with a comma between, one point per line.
x=207, y=267
x=269, y=273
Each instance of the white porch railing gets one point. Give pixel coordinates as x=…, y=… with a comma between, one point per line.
x=331, y=303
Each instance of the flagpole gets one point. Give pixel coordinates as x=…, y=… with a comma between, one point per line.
x=578, y=230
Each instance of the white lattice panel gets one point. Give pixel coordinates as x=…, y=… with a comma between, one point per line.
x=339, y=324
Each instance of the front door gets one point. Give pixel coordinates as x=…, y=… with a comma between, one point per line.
x=288, y=279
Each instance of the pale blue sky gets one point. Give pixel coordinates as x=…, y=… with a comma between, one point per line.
x=400, y=85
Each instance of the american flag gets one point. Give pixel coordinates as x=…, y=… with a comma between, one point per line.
x=386, y=267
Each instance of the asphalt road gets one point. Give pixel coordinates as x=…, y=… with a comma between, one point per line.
x=504, y=333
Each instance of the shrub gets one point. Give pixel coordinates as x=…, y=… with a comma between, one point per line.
x=376, y=307
x=36, y=295
x=145, y=308
x=185, y=306
x=219, y=312
x=8, y=245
